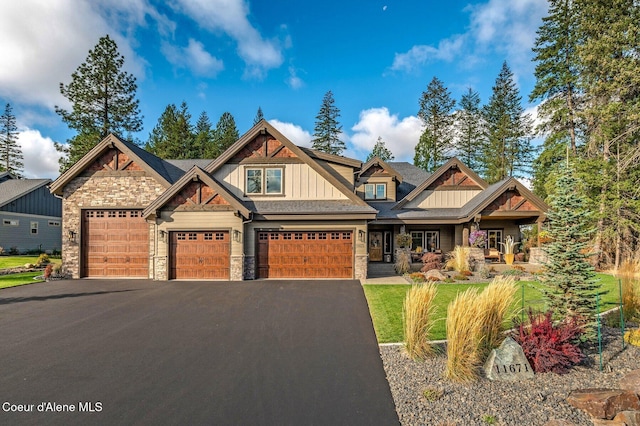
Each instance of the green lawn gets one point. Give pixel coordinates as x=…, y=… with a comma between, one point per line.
x=18, y=279
x=15, y=261
x=385, y=304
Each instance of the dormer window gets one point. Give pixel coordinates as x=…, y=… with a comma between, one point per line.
x=375, y=191
x=263, y=180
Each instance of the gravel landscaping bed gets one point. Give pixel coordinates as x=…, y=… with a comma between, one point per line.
x=529, y=402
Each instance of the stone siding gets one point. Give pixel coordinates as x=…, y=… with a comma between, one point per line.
x=98, y=192
x=161, y=266
x=236, y=267
x=249, y=268
x=362, y=261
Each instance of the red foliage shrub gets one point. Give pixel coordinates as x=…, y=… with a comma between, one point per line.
x=466, y=273
x=431, y=261
x=548, y=346
x=47, y=271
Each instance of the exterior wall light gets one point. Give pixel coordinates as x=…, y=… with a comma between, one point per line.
x=163, y=235
x=237, y=236
x=361, y=235
x=71, y=235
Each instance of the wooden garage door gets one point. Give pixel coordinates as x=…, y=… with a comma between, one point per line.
x=115, y=243
x=200, y=255
x=305, y=254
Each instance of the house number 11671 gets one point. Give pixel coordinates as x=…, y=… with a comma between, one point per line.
x=512, y=368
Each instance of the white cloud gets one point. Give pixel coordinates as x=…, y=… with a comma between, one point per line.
x=294, y=81
x=39, y=154
x=420, y=54
x=231, y=16
x=43, y=42
x=505, y=26
x=399, y=135
x=194, y=57
x=293, y=132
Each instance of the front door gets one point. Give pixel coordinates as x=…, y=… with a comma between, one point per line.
x=375, y=246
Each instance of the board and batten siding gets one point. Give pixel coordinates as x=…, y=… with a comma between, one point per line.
x=300, y=181
x=37, y=202
x=430, y=199
x=391, y=186
x=47, y=238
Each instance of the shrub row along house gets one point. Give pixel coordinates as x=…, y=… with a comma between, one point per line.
x=31, y=216
x=267, y=208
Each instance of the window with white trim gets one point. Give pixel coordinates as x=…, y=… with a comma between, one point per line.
x=375, y=191
x=54, y=223
x=34, y=228
x=264, y=180
x=10, y=222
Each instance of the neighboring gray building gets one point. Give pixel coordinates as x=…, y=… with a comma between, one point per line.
x=30, y=216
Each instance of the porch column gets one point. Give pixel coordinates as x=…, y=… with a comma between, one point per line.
x=540, y=223
x=465, y=234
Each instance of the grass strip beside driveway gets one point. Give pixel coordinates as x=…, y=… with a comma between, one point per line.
x=385, y=304
x=14, y=280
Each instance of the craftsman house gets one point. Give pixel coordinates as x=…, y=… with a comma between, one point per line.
x=31, y=217
x=267, y=208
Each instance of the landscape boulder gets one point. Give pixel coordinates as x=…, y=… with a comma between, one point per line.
x=604, y=403
x=435, y=275
x=631, y=382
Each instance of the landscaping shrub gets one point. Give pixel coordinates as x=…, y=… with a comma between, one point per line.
x=42, y=259
x=550, y=347
x=459, y=259
x=484, y=272
x=632, y=337
x=495, y=303
x=417, y=277
x=463, y=337
x=418, y=310
x=13, y=251
x=403, y=262
x=630, y=290
x=460, y=277
x=513, y=273
x=47, y=271
x=466, y=273
x=1, y=251
x=57, y=268
x=431, y=261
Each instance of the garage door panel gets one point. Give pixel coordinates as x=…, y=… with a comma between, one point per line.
x=115, y=243
x=200, y=255
x=305, y=254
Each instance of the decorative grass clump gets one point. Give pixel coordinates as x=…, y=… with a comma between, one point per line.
x=459, y=259
x=418, y=312
x=403, y=262
x=495, y=303
x=464, y=327
x=630, y=290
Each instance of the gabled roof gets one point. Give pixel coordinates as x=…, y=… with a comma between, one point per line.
x=6, y=176
x=264, y=127
x=452, y=163
x=162, y=171
x=339, y=159
x=195, y=173
x=12, y=189
x=375, y=161
x=481, y=201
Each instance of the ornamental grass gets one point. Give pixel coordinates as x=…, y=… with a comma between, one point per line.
x=418, y=312
x=464, y=334
x=496, y=304
x=459, y=259
x=629, y=272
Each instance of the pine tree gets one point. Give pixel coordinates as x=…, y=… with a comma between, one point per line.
x=259, y=116
x=568, y=274
x=172, y=137
x=469, y=130
x=103, y=100
x=507, y=149
x=326, y=135
x=381, y=151
x=10, y=152
x=437, y=139
x=203, y=137
x=225, y=134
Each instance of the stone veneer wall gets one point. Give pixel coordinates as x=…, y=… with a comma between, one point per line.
x=362, y=261
x=98, y=192
x=249, y=267
x=236, y=268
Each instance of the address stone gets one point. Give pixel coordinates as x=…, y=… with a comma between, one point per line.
x=508, y=363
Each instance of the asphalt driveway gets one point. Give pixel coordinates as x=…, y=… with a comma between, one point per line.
x=143, y=352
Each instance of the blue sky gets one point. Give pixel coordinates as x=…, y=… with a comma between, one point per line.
x=377, y=57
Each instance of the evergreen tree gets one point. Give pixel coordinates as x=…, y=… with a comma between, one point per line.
x=326, y=135
x=380, y=150
x=469, y=131
x=557, y=78
x=203, y=137
x=568, y=274
x=507, y=150
x=225, y=134
x=259, y=116
x=437, y=139
x=10, y=152
x=103, y=100
x=172, y=137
